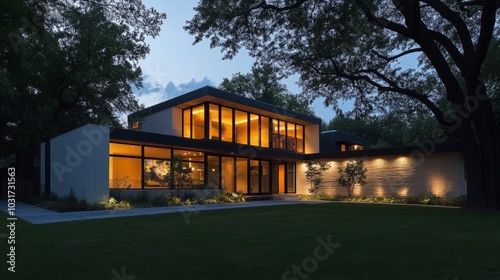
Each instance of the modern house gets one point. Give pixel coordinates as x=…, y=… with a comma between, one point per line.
x=212, y=139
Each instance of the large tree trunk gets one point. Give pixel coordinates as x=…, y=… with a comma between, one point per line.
x=479, y=136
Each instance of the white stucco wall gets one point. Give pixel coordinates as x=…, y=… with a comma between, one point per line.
x=439, y=174
x=79, y=160
x=167, y=122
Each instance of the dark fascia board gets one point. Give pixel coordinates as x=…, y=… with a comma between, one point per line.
x=201, y=145
x=424, y=150
x=211, y=91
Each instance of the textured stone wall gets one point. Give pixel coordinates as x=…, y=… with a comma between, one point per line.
x=441, y=174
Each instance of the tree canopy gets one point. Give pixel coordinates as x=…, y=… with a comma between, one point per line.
x=360, y=49
x=64, y=64
x=263, y=84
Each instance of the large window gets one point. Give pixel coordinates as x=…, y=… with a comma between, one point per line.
x=291, y=142
x=187, y=123
x=254, y=130
x=282, y=135
x=236, y=126
x=227, y=124
x=275, y=134
x=157, y=168
x=300, y=138
x=214, y=126
x=228, y=178
x=125, y=166
x=213, y=171
x=241, y=127
x=254, y=176
x=198, y=127
x=242, y=175
x=125, y=173
x=264, y=132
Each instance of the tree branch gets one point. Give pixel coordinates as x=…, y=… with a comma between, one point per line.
x=266, y=6
x=455, y=19
x=487, y=25
x=391, y=58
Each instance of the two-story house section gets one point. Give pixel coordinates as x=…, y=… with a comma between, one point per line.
x=222, y=140
x=212, y=139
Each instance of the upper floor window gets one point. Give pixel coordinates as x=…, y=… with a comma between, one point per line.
x=237, y=126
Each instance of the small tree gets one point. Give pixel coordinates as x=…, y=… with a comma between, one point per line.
x=354, y=173
x=314, y=173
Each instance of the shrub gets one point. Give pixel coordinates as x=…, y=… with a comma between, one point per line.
x=113, y=204
x=417, y=199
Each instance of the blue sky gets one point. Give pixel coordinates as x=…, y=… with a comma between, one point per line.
x=175, y=66
x=174, y=59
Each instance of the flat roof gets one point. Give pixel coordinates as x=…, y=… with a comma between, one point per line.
x=211, y=94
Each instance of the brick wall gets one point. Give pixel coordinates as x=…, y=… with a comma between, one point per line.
x=440, y=174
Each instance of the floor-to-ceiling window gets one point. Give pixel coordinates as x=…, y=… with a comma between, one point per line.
x=300, y=138
x=241, y=127
x=213, y=122
x=228, y=174
x=242, y=175
x=125, y=165
x=198, y=122
x=254, y=176
x=264, y=132
x=227, y=124
x=254, y=130
x=213, y=171
x=157, y=167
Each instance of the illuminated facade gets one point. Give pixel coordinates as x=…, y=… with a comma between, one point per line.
x=211, y=139
x=251, y=147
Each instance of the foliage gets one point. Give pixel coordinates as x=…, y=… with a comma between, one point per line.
x=263, y=84
x=393, y=129
x=71, y=203
x=417, y=199
x=64, y=64
x=353, y=174
x=113, y=204
x=354, y=50
x=67, y=203
x=314, y=173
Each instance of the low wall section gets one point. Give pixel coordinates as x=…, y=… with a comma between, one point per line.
x=440, y=174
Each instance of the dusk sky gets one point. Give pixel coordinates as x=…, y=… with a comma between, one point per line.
x=173, y=58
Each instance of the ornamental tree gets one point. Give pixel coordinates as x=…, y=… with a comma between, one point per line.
x=353, y=50
x=353, y=174
x=314, y=173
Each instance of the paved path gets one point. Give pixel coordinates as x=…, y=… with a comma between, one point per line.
x=38, y=215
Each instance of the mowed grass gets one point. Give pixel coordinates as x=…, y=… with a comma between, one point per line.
x=376, y=242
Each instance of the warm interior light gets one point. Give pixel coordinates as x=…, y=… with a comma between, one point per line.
x=198, y=111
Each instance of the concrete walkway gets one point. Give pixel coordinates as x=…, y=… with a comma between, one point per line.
x=38, y=215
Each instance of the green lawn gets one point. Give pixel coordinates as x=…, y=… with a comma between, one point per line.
x=376, y=242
